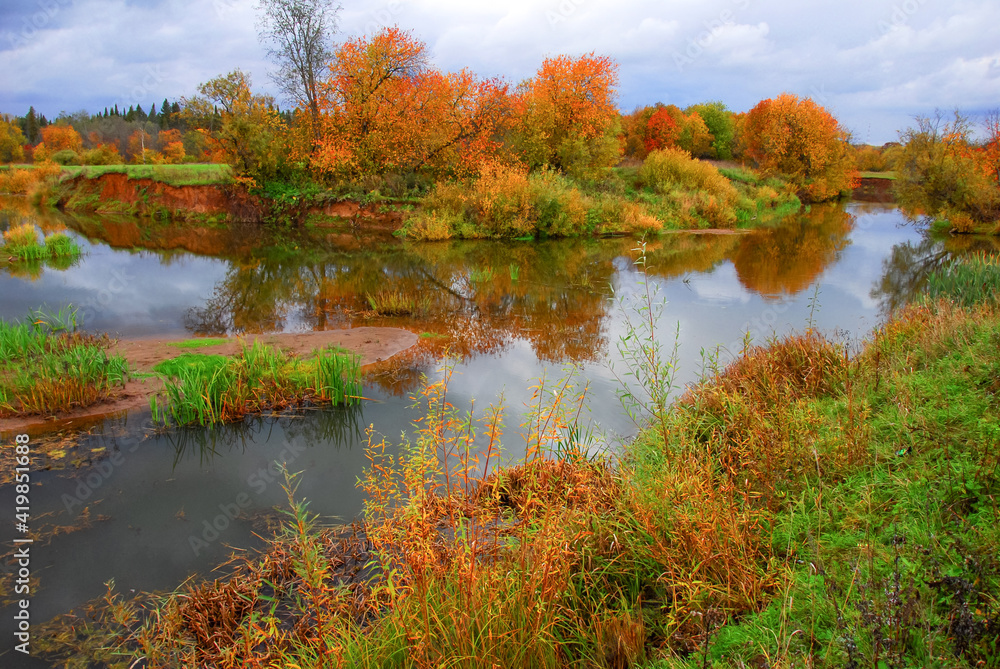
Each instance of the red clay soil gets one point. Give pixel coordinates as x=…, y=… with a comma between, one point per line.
x=373, y=344
x=147, y=193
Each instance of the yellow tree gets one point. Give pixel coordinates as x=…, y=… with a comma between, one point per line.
x=11, y=141
x=251, y=129
x=802, y=141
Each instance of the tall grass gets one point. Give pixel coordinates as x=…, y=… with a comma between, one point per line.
x=207, y=389
x=47, y=368
x=967, y=281
x=21, y=243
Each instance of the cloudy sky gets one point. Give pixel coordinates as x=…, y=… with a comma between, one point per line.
x=874, y=63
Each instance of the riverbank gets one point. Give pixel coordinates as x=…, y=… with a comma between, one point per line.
x=668, y=192
x=805, y=502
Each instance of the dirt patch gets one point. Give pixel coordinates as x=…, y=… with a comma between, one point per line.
x=373, y=344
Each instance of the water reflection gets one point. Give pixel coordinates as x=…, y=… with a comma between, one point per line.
x=905, y=270
x=787, y=259
x=335, y=425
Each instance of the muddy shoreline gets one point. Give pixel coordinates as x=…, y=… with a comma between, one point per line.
x=373, y=344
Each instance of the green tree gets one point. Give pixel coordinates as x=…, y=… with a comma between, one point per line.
x=721, y=124
x=31, y=126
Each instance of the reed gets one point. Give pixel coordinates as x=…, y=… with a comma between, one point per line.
x=207, y=389
x=47, y=368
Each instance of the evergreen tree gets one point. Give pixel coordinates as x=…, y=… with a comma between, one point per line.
x=117, y=113
x=164, y=115
x=139, y=114
x=152, y=113
x=31, y=126
x=130, y=114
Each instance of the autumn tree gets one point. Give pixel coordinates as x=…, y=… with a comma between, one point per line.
x=300, y=35
x=942, y=172
x=250, y=128
x=11, y=141
x=57, y=139
x=802, y=141
x=384, y=109
x=567, y=115
x=664, y=127
x=171, y=146
x=661, y=131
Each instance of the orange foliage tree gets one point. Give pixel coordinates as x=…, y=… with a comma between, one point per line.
x=171, y=146
x=661, y=131
x=567, y=116
x=384, y=109
x=56, y=138
x=802, y=141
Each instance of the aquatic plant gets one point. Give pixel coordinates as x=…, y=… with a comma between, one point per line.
x=21, y=242
x=967, y=281
x=205, y=389
x=391, y=303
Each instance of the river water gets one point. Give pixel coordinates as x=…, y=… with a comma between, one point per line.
x=150, y=508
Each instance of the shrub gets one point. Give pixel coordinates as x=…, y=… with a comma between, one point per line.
x=706, y=193
x=17, y=181
x=104, y=154
x=65, y=157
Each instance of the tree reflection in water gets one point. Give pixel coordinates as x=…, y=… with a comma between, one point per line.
x=905, y=271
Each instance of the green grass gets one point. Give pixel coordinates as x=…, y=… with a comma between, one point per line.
x=46, y=368
x=206, y=389
x=879, y=175
x=200, y=342
x=174, y=175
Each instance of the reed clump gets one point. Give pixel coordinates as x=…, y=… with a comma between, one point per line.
x=46, y=367
x=207, y=389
